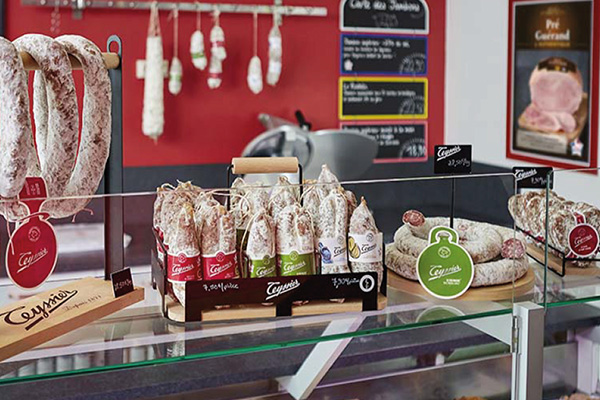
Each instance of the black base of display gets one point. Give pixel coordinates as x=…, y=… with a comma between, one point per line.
x=282, y=292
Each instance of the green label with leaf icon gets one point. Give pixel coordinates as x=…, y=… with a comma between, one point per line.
x=444, y=268
x=297, y=264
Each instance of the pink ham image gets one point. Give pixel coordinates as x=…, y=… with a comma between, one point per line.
x=558, y=103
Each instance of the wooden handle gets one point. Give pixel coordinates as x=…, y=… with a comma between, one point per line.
x=111, y=61
x=264, y=165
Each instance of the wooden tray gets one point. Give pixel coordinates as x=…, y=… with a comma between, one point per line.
x=580, y=117
x=176, y=312
x=487, y=293
x=555, y=263
x=67, y=308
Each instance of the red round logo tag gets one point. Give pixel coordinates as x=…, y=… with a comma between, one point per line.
x=583, y=240
x=31, y=253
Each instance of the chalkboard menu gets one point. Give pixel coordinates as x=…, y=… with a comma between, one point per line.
x=383, y=98
x=389, y=55
x=397, y=141
x=400, y=16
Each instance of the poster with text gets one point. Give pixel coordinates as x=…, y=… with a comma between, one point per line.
x=553, y=81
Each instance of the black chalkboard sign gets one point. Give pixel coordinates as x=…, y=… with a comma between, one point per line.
x=388, y=55
x=383, y=98
x=532, y=177
x=122, y=282
x=392, y=16
x=397, y=141
x=452, y=159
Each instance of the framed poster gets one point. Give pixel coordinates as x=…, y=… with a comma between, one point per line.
x=553, y=83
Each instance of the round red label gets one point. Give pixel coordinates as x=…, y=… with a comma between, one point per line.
x=31, y=253
x=583, y=240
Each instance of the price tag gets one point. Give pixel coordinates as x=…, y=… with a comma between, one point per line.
x=532, y=178
x=122, y=282
x=452, y=159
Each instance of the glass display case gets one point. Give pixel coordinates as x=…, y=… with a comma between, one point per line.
x=412, y=332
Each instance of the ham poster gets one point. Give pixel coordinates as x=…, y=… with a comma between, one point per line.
x=552, y=83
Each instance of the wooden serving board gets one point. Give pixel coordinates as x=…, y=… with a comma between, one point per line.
x=580, y=117
x=487, y=293
x=37, y=319
x=555, y=263
x=176, y=312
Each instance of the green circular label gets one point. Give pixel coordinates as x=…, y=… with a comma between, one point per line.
x=444, y=268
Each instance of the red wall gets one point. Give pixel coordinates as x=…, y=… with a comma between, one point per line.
x=205, y=126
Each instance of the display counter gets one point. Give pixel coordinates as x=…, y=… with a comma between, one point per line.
x=495, y=330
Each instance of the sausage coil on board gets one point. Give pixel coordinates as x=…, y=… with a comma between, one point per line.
x=498, y=254
x=95, y=131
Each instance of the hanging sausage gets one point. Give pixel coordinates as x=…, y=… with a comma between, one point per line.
x=197, y=45
x=275, y=52
x=217, y=53
x=255, y=80
x=176, y=70
x=153, y=119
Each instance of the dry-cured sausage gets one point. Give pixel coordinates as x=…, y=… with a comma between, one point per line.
x=60, y=132
x=95, y=128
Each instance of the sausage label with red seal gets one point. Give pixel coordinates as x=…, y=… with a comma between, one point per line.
x=183, y=267
x=32, y=250
x=220, y=266
x=583, y=238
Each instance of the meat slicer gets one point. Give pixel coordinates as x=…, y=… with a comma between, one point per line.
x=348, y=153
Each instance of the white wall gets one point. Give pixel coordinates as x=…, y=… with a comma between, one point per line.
x=476, y=79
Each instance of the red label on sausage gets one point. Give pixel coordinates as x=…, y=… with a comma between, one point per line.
x=220, y=266
x=583, y=240
x=31, y=253
x=183, y=268
x=34, y=188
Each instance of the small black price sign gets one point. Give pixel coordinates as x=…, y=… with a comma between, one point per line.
x=532, y=177
x=122, y=282
x=452, y=159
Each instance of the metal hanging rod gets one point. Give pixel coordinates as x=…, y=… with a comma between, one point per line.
x=79, y=5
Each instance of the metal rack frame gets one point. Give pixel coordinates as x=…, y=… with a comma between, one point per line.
x=79, y=5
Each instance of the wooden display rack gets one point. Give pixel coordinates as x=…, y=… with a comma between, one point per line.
x=245, y=297
x=488, y=293
x=562, y=265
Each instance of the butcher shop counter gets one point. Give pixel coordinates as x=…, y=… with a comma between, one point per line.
x=138, y=347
